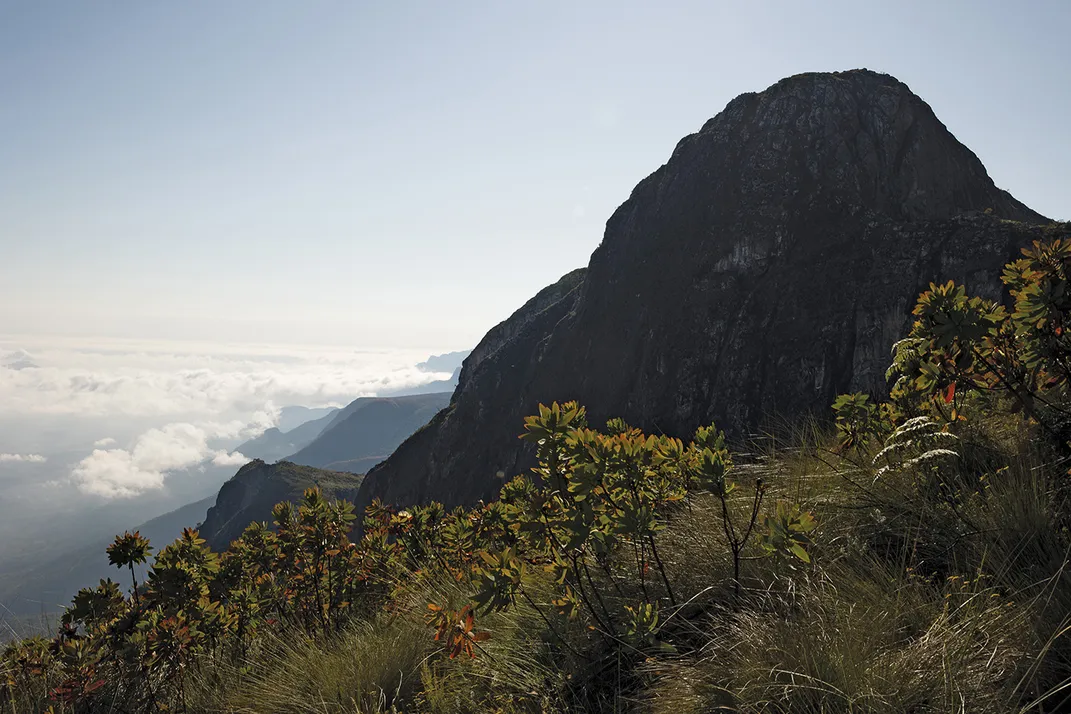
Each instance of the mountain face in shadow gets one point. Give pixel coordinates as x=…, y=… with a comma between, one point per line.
x=292, y=417
x=769, y=265
x=367, y=430
x=276, y=443
x=353, y=440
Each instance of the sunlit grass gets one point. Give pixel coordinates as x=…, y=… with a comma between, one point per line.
x=929, y=590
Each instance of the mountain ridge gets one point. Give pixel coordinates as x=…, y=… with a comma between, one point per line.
x=277, y=443
x=354, y=439
x=815, y=211
x=251, y=494
x=369, y=427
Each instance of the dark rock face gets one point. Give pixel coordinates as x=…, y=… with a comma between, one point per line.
x=768, y=266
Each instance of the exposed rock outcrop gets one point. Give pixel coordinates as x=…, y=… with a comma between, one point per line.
x=767, y=266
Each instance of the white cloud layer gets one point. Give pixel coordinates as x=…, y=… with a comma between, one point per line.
x=235, y=458
x=173, y=406
x=121, y=473
x=23, y=458
x=114, y=474
x=153, y=379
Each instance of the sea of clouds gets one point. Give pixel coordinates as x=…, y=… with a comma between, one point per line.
x=113, y=419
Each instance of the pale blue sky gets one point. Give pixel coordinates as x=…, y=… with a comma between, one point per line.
x=404, y=174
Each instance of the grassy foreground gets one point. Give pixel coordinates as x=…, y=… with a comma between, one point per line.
x=909, y=605
x=911, y=602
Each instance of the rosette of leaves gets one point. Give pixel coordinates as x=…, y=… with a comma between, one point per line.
x=950, y=347
x=499, y=578
x=641, y=629
x=548, y=431
x=128, y=550
x=418, y=530
x=710, y=461
x=79, y=661
x=1039, y=284
x=918, y=443
x=182, y=572
x=459, y=539
x=456, y=631
x=95, y=608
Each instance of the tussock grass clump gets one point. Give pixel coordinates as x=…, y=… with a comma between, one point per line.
x=913, y=604
x=366, y=668
x=872, y=643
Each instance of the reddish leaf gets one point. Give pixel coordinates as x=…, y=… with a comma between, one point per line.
x=950, y=393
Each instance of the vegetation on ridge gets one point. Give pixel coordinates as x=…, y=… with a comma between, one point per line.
x=912, y=559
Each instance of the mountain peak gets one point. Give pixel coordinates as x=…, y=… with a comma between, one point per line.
x=766, y=267
x=857, y=136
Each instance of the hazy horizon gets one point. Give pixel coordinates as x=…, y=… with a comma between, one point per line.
x=408, y=174
x=74, y=397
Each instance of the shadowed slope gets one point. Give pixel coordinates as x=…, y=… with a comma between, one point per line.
x=767, y=266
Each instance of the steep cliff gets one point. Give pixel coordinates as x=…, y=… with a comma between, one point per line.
x=767, y=266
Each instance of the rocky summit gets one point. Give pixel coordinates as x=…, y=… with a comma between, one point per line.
x=769, y=265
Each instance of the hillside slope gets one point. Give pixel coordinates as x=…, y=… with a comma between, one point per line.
x=767, y=266
x=350, y=441
x=251, y=494
x=368, y=430
x=276, y=443
x=48, y=585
